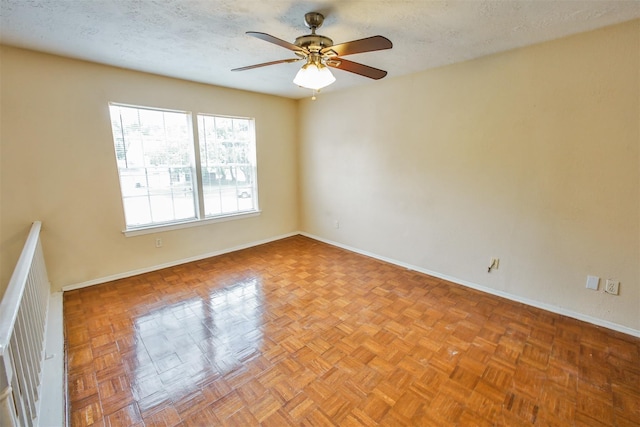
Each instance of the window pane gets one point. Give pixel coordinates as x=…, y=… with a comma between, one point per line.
x=136, y=210
x=228, y=156
x=154, y=152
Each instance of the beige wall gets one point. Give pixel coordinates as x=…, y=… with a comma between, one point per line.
x=531, y=156
x=58, y=166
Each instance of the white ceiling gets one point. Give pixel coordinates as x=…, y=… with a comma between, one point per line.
x=202, y=40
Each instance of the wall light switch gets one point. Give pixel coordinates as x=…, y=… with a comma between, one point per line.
x=592, y=282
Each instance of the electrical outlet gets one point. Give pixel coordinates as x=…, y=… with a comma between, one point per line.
x=612, y=287
x=494, y=263
x=336, y=224
x=158, y=243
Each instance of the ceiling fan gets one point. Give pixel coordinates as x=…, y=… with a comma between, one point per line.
x=319, y=52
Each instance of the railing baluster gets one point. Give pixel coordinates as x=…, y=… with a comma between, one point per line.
x=27, y=361
x=17, y=387
x=25, y=330
x=33, y=333
x=37, y=342
x=17, y=382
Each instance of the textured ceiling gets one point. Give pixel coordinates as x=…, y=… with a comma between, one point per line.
x=202, y=40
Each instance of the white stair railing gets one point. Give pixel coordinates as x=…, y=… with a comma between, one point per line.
x=23, y=317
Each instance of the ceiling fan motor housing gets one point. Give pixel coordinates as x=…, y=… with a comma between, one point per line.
x=313, y=42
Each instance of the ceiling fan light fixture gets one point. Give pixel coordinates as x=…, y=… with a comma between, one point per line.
x=314, y=76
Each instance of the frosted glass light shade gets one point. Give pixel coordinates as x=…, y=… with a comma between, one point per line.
x=312, y=76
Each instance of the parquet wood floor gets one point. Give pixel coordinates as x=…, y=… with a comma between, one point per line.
x=300, y=333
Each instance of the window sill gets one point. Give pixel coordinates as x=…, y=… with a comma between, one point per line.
x=187, y=224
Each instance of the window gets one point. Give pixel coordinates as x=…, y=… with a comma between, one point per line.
x=164, y=182
x=227, y=155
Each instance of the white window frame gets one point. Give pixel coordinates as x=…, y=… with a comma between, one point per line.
x=197, y=179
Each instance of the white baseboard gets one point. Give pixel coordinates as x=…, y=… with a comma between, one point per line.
x=173, y=263
x=527, y=301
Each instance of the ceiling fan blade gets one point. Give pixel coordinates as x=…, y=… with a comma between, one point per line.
x=358, y=46
x=354, y=67
x=269, y=38
x=264, y=64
